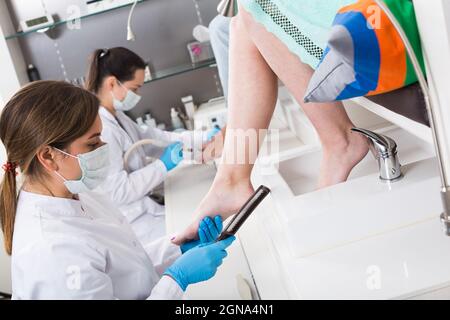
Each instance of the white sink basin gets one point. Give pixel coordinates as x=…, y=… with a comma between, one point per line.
x=362, y=207
x=301, y=173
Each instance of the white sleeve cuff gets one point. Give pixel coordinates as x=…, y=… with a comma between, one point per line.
x=159, y=164
x=163, y=253
x=167, y=289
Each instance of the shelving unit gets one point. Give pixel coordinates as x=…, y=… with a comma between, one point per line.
x=10, y=39
x=178, y=70
x=184, y=68
x=65, y=21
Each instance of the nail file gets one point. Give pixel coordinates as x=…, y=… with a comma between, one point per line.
x=238, y=220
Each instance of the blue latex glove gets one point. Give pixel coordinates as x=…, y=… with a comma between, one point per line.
x=199, y=264
x=212, y=133
x=208, y=231
x=172, y=155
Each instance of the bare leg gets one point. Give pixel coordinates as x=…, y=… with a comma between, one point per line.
x=342, y=150
x=256, y=58
x=252, y=99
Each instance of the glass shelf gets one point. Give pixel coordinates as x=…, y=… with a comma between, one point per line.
x=166, y=73
x=63, y=22
x=188, y=67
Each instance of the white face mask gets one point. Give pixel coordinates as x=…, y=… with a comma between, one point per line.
x=130, y=101
x=94, y=167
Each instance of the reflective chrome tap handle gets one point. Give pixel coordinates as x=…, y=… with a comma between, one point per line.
x=228, y=8
x=385, y=151
x=382, y=144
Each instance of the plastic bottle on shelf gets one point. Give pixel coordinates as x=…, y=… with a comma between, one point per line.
x=141, y=123
x=33, y=73
x=149, y=121
x=176, y=121
x=189, y=106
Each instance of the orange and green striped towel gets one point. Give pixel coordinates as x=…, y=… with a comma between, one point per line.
x=365, y=54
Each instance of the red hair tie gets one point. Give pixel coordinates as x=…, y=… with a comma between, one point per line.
x=9, y=167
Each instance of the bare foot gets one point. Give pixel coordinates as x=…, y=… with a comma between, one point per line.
x=339, y=160
x=223, y=198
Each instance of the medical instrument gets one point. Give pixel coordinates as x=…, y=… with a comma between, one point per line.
x=238, y=220
x=138, y=144
x=211, y=114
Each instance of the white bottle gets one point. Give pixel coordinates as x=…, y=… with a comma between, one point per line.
x=141, y=123
x=176, y=121
x=189, y=106
x=149, y=121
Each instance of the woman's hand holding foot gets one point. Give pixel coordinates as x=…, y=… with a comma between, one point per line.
x=225, y=197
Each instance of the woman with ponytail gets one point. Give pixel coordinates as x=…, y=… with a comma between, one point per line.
x=67, y=242
x=115, y=76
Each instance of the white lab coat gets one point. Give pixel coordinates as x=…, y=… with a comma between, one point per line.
x=129, y=190
x=70, y=249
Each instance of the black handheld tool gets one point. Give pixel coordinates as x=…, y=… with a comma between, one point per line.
x=245, y=212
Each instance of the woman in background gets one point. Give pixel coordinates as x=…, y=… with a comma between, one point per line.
x=115, y=76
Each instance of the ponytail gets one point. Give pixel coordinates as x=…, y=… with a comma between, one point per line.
x=119, y=62
x=8, y=205
x=93, y=80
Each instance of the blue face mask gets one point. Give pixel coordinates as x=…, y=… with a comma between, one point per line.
x=130, y=101
x=94, y=167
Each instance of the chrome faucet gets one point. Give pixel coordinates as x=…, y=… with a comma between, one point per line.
x=228, y=8
x=385, y=151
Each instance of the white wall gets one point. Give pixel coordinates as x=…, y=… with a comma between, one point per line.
x=12, y=64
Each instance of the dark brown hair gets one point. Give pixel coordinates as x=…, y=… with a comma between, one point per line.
x=119, y=62
x=42, y=113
